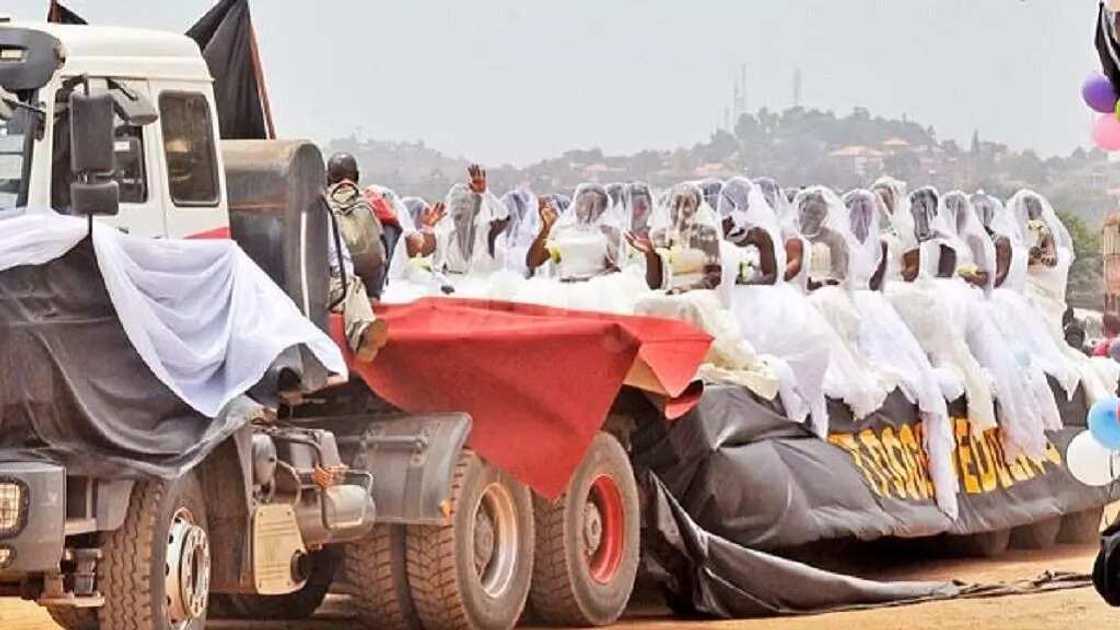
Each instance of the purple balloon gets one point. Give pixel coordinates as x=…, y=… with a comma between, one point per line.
x=1099, y=94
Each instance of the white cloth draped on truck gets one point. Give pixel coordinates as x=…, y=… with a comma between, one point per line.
x=201, y=314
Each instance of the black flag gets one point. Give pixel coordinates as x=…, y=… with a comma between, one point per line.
x=229, y=45
x=61, y=15
x=1107, y=48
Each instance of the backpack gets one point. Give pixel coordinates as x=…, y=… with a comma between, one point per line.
x=359, y=229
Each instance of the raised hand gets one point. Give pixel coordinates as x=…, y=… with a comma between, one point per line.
x=547, y=213
x=433, y=215
x=477, y=178
x=640, y=243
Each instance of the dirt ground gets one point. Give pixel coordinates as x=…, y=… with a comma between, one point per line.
x=1078, y=608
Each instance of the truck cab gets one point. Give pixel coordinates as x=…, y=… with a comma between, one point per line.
x=169, y=172
x=260, y=522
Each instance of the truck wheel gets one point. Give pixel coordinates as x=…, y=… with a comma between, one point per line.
x=587, y=541
x=375, y=576
x=981, y=545
x=474, y=573
x=293, y=606
x=155, y=569
x=1081, y=527
x=1040, y=535
x=72, y=618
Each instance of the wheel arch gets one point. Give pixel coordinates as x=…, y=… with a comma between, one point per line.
x=226, y=479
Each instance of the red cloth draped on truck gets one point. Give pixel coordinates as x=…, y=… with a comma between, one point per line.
x=537, y=381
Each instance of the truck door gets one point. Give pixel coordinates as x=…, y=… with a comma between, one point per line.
x=137, y=172
x=194, y=184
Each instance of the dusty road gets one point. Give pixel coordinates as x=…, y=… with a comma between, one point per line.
x=1079, y=608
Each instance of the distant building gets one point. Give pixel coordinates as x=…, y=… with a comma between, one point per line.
x=859, y=160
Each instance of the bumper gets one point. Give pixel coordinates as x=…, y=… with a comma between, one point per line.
x=37, y=545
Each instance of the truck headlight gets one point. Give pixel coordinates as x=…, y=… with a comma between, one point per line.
x=13, y=507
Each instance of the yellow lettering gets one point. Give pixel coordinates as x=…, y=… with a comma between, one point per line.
x=1053, y=455
x=847, y=442
x=1002, y=469
x=872, y=443
x=898, y=462
x=1025, y=465
x=984, y=462
x=912, y=457
x=964, y=456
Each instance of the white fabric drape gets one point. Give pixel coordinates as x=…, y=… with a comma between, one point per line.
x=201, y=314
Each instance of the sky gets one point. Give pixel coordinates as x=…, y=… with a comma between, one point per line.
x=515, y=81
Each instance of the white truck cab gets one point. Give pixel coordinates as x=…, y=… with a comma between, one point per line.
x=169, y=172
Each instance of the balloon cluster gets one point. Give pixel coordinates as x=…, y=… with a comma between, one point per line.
x=1101, y=96
x=1093, y=456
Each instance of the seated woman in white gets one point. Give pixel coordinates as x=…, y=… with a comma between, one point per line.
x=822, y=219
x=775, y=316
x=524, y=224
x=928, y=298
x=684, y=272
x=576, y=259
x=1049, y=257
x=896, y=226
x=1026, y=403
x=888, y=341
x=467, y=249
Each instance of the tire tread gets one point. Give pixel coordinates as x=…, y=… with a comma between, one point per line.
x=432, y=575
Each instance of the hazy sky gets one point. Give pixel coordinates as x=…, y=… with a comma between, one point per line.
x=516, y=81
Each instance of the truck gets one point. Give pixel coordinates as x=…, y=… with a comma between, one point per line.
x=333, y=489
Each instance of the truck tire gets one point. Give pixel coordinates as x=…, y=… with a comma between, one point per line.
x=71, y=618
x=375, y=576
x=291, y=607
x=588, y=541
x=474, y=573
x=1081, y=527
x=155, y=569
x=1039, y=535
x=982, y=544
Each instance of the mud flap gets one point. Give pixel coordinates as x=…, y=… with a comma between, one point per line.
x=412, y=459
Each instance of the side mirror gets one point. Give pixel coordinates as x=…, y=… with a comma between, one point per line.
x=91, y=154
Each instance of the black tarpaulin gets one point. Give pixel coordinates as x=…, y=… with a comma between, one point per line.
x=74, y=390
x=706, y=574
x=225, y=35
x=61, y=15
x=733, y=484
x=869, y=481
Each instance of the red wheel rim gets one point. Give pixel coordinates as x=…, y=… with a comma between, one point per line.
x=603, y=561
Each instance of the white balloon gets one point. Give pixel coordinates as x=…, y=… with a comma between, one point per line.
x=1090, y=462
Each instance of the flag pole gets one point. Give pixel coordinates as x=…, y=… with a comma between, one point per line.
x=262, y=90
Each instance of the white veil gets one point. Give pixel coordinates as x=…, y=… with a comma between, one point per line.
x=524, y=219
x=748, y=208
x=961, y=216
x=1020, y=206
x=819, y=207
x=780, y=204
x=864, y=212
x=592, y=213
x=896, y=205
x=639, y=209
x=463, y=234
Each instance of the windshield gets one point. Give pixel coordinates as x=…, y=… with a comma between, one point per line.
x=15, y=157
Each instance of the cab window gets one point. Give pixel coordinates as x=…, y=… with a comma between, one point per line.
x=188, y=143
x=128, y=147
